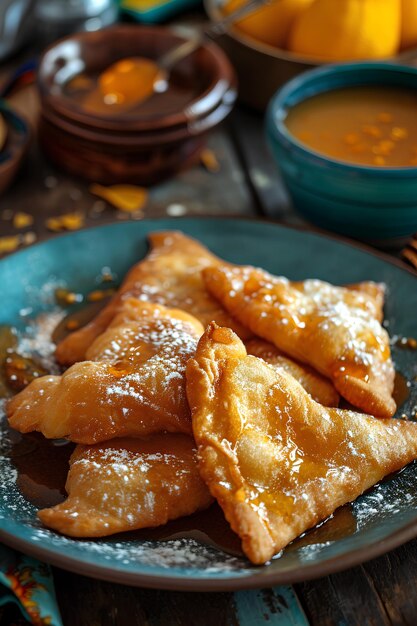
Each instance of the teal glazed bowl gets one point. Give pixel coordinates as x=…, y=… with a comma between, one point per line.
x=364, y=202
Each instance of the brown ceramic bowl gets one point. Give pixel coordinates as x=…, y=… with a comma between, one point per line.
x=262, y=69
x=145, y=144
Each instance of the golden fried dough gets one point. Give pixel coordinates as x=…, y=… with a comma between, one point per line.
x=375, y=296
x=319, y=388
x=133, y=384
x=129, y=484
x=336, y=330
x=169, y=275
x=278, y=462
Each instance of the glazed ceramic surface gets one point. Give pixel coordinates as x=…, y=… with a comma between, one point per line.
x=379, y=520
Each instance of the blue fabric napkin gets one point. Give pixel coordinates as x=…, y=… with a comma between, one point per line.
x=29, y=584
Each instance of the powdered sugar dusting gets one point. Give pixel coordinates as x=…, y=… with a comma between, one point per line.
x=39, y=299
x=148, y=355
x=11, y=501
x=182, y=553
x=394, y=499
x=36, y=341
x=129, y=484
x=377, y=514
x=164, y=555
x=345, y=322
x=143, y=554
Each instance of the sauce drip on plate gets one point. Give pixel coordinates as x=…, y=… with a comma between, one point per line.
x=401, y=389
x=77, y=319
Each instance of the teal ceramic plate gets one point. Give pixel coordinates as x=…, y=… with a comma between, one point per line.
x=378, y=521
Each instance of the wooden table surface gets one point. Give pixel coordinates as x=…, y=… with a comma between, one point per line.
x=381, y=592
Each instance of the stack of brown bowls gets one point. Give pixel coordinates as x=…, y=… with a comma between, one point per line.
x=135, y=148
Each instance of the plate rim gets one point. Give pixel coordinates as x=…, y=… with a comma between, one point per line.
x=232, y=583
x=308, y=229
x=333, y=565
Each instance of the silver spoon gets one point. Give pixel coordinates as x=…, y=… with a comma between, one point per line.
x=167, y=61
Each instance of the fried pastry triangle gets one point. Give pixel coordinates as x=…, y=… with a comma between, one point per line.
x=278, y=462
x=170, y=275
x=133, y=384
x=336, y=330
x=319, y=388
x=127, y=484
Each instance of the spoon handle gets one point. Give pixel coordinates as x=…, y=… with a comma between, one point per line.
x=173, y=56
x=213, y=30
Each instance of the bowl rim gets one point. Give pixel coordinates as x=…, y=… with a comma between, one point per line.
x=223, y=86
x=278, y=132
x=213, y=11
x=135, y=141
x=212, y=8
x=11, y=117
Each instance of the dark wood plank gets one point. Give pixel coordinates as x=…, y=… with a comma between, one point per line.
x=380, y=592
x=204, y=193
x=320, y=602
x=394, y=578
x=86, y=602
x=262, y=173
x=347, y=598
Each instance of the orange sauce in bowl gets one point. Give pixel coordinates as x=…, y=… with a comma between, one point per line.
x=374, y=126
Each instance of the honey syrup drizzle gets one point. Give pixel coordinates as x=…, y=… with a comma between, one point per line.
x=401, y=391
x=42, y=465
x=78, y=318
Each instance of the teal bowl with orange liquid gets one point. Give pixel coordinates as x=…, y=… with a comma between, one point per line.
x=364, y=201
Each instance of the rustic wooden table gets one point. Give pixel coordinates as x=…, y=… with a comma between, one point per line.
x=381, y=592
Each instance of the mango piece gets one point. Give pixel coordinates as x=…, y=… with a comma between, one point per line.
x=347, y=29
x=128, y=198
x=271, y=23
